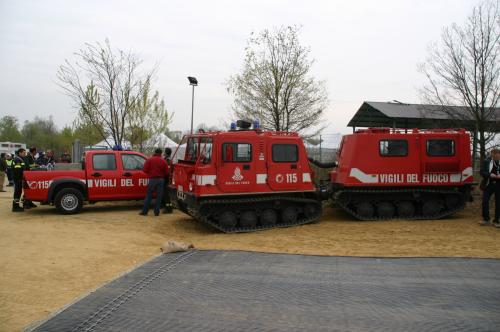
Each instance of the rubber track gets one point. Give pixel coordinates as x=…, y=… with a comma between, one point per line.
x=206, y=220
x=393, y=191
x=99, y=315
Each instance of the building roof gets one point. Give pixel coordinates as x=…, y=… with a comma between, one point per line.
x=401, y=115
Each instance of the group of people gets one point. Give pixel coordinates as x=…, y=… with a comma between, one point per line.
x=13, y=167
x=157, y=168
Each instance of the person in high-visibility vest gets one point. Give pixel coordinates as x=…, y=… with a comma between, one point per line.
x=18, y=168
x=9, y=160
x=3, y=170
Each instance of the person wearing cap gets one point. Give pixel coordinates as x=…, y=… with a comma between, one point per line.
x=18, y=167
x=157, y=169
x=3, y=171
x=9, y=160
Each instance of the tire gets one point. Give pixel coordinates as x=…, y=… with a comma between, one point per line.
x=228, y=219
x=453, y=201
x=365, y=209
x=268, y=217
x=385, y=210
x=406, y=209
x=69, y=201
x=289, y=215
x=431, y=208
x=248, y=219
x=310, y=210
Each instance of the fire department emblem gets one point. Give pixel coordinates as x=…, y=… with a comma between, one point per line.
x=279, y=178
x=237, y=174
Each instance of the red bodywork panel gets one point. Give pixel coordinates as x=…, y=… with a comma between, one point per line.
x=241, y=162
x=378, y=158
x=116, y=175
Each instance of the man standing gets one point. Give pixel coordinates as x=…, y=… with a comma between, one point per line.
x=157, y=169
x=30, y=161
x=490, y=171
x=18, y=168
x=3, y=170
x=9, y=160
x=166, y=197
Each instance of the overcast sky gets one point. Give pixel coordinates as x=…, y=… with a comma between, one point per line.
x=365, y=50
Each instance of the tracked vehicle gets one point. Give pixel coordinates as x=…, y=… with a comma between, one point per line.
x=248, y=179
x=245, y=179
x=416, y=174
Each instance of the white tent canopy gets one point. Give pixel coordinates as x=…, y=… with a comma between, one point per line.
x=160, y=141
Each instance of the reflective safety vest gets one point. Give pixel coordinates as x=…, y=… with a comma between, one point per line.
x=9, y=163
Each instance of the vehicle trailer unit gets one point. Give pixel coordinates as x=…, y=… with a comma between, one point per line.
x=416, y=174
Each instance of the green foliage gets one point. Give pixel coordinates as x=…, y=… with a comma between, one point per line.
x=276, y=85
x=9, y=129
x=148, y=119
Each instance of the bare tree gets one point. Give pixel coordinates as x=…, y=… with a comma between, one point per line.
x=105, y=85
x=276, y=86
x=463, y=70
x=148, y=120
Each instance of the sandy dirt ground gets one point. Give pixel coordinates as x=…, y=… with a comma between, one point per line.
x=47, y=260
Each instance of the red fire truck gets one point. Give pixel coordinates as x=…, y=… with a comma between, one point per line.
x=105, y=176
x=249, y=179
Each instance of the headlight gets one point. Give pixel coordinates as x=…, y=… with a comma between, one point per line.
x=190, y=186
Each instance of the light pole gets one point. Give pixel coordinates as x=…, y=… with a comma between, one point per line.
x=193, y=82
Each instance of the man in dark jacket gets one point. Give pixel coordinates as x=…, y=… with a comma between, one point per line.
x=18, y=168
x=30, y=160
x=167, y=206
x=490, y=171
x=157, y=169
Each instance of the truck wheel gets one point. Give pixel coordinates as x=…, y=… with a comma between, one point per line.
x=268, y=217
x=69, y=201
x=228, y=219
x=431, y=208
x=365, y=209
x=248, y=219
x=385, y=210
x=406, y=209
x=289, y=215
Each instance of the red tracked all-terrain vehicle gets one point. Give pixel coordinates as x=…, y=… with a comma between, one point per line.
x=386, y=174
x=244, y=179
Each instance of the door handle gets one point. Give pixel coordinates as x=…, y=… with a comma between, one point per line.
x=246, y=167
x=127, y=174
x=293, y=166
x=96, y=174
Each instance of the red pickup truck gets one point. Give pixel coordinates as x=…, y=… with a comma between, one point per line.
x=104, y=176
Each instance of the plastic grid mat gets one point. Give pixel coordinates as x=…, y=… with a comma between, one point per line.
x=247, y=291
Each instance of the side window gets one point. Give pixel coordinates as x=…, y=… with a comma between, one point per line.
x=104, y=162
x=441, y=147
x=236, y=152
x=393, y=148
x=285, y=153
x=132, y=162
x=206, y=149
x=192, y=149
